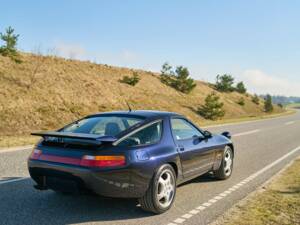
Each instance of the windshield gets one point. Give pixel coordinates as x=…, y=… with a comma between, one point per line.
x=102, y=125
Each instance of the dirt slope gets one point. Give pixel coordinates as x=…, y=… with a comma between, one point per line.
x=48, y=92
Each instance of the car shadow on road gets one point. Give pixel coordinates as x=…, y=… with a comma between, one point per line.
x=20, y=202
x=206, y=178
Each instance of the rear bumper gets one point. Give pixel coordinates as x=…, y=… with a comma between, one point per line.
x=112, y=183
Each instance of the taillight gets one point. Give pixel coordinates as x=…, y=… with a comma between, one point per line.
x=35, y=154
x=103, y=161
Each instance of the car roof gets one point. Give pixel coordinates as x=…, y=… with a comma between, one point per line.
x=142, y=113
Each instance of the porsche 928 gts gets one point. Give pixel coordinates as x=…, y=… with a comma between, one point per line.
x=129, y=154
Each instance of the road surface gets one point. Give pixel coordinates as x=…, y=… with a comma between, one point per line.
x=262, y=149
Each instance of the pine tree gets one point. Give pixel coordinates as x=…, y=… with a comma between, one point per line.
x=255, y=99
x=9, y=48
x=213, y=108
x=240, y=88
x=224, y=83
x=268, y=103
x=178, y=79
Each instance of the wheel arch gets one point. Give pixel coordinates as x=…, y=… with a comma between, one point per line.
x=232, y=147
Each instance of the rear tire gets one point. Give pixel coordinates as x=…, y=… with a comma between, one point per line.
x=225, y=169
x=161, y=192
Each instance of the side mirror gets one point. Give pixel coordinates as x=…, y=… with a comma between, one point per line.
x=207, y=134
x=226, y=134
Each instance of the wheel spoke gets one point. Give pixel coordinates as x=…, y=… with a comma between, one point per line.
x=168, y=178
x=161, y=195
x=161, y=181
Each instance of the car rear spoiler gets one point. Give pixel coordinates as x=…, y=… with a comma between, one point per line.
x=88, y=137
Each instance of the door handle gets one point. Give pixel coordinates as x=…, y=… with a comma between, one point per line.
x=180, y=148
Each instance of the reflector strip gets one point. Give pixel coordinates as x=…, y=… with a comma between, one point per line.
x=60, y=159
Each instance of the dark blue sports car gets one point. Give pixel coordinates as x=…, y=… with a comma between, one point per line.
x=129, y=154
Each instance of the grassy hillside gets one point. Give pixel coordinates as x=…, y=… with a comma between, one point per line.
x=47, y=92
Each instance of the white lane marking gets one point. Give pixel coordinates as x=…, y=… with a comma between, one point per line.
x=179, y=220
x=14, y=149
x=289, y=123
x=215, y=199
x=212, y=200
x=218, y=197
x=187, y=216
x=206, y=204
x=12, y=180
x=246, y=133
x=194, y=211
x=201, y=207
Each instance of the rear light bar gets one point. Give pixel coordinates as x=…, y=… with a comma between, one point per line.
x=87, y=160
x=102, y=161
x=35, y=154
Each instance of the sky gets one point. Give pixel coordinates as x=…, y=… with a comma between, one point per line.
x=256, y=41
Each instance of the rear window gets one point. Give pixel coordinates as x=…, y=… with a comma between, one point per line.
x=102, y=125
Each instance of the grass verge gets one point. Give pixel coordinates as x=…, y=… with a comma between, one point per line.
x=277, y=203
x=12, y=141
x=249, y=118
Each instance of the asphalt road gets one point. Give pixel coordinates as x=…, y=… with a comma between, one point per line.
x=262, y=149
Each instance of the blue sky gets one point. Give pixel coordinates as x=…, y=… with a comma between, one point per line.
x=255, y=41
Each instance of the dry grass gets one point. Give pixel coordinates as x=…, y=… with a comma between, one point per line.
x=278, y=204
x=47, y=92
x=11, y=141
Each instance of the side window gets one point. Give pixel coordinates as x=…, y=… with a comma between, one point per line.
x=148, y=135
x=182, y=129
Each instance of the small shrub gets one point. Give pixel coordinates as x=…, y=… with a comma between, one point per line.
x=9, y=48
x=224, y=83
x=133, y=80
x=213, y=108
x=241, y=101
x=178, y=79
x=255, y=99
x=268, y=103
x=240, y=88
x=280, y=105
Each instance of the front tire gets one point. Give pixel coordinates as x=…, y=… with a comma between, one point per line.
x=161, y=192
x=225, y=169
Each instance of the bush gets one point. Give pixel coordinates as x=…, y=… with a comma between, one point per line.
x=224, y=83
x=255, y=99
x=213, y=108
x=280, y=105
x=268, y=103
x=9, y=48
x=241, y=101
x=131, y=80
x=178, y=79
x=240, y=88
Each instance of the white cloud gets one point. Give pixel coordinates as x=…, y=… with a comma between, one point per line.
x=259, y=82
x=72, y=51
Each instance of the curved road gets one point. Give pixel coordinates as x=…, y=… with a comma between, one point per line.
x=262, y=149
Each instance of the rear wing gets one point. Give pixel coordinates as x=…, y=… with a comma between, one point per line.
x=87, y=137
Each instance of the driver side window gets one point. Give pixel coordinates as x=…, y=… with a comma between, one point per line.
x=149, y=135
x=182, y=129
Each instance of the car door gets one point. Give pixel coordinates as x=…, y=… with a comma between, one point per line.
x=195, y=151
